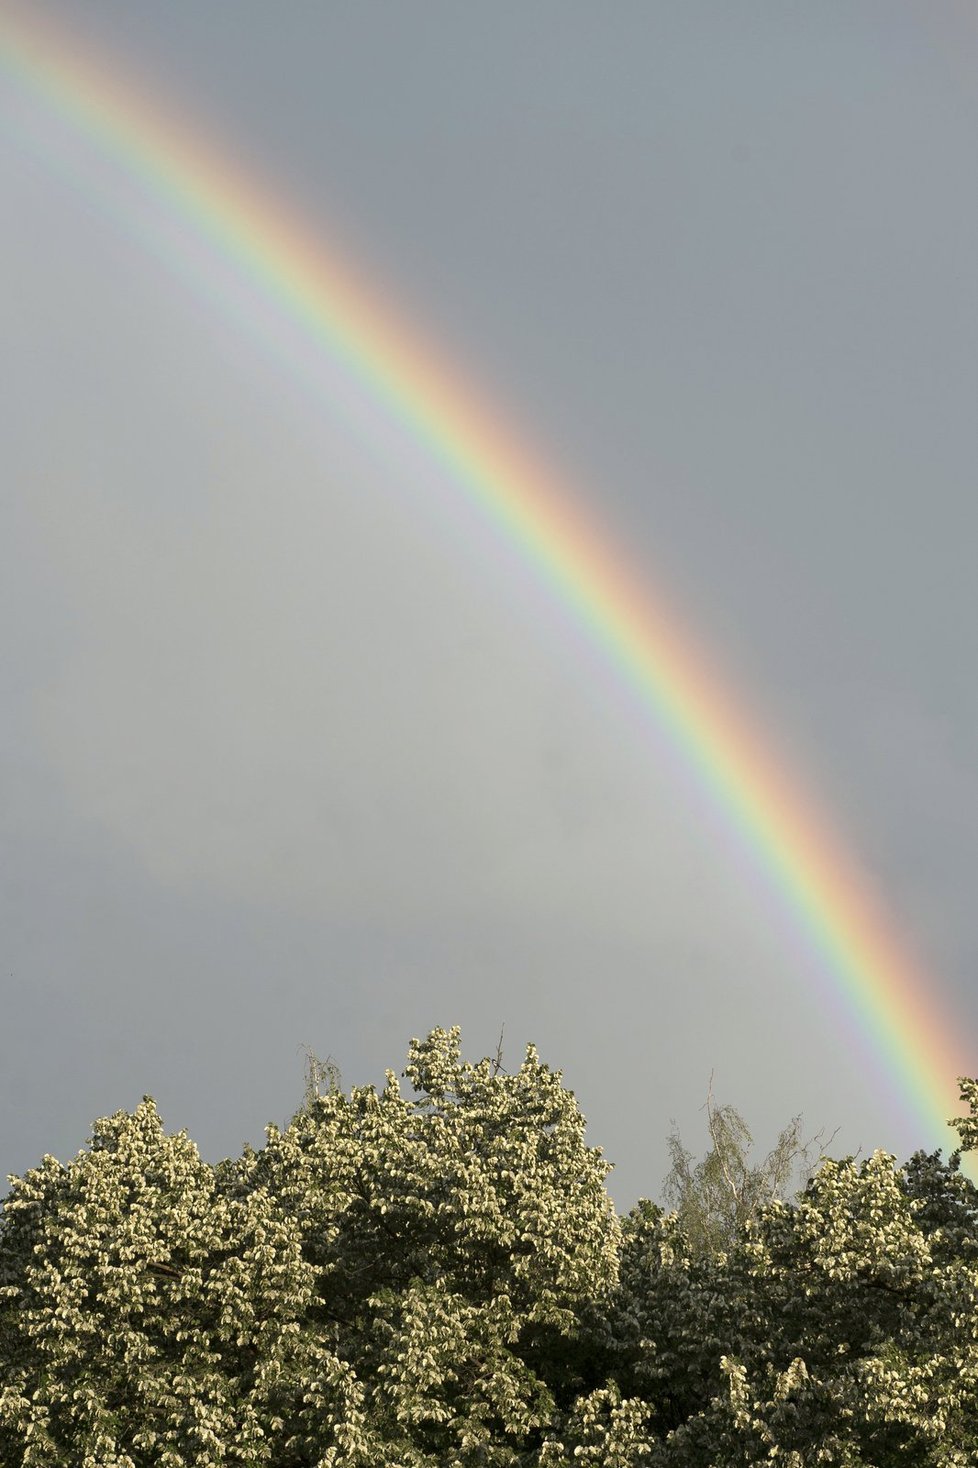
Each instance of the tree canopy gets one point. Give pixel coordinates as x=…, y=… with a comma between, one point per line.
x=440, y=1278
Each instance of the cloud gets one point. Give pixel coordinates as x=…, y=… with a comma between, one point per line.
x=279, y=687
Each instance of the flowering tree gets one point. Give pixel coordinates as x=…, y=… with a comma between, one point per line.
x=388, y=1281
x=440, y=1279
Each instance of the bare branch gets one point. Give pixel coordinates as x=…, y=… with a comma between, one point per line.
x=498, y=1062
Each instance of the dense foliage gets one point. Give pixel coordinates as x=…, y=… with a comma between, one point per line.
x=440, y=1280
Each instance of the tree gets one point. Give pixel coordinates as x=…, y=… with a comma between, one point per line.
x=388, y=1281
x=840, y=1328
x=967, y=1126
x=715, y=1199
x=149, y=1315
x=439, y=1278
x=317, y=1071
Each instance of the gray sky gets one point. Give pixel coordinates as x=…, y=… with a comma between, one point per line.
x=293, y=753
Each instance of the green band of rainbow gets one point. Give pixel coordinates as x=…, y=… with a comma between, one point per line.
x=895, y=1006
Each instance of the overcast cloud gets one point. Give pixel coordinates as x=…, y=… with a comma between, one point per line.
x=295, y=752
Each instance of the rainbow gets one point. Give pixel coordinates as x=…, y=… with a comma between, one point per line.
x=309, y=288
